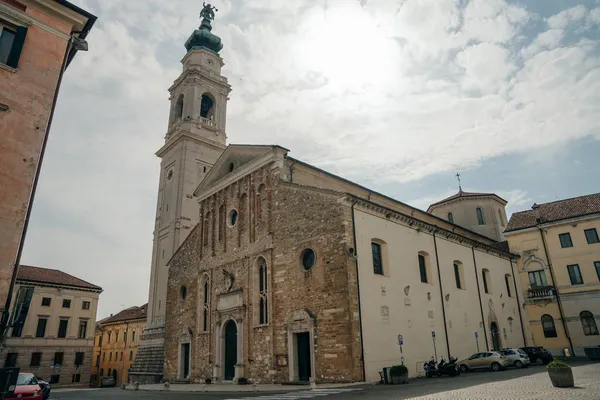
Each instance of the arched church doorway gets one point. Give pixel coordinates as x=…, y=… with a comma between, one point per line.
x=495, y=336
x=230, y=349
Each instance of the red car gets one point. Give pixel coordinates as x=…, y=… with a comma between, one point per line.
x=27, y=387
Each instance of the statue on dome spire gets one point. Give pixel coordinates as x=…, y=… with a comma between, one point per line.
x=207, y=12
x=202, y=37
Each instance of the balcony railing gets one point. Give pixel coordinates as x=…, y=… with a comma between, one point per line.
x=541, y=292
x=208, y=122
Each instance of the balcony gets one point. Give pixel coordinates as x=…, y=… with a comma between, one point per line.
x=209, y=123
x=542, y=292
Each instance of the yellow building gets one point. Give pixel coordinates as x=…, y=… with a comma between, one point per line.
x=116, y=342
x=560, y=271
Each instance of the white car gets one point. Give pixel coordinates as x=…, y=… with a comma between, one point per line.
x=515, y=357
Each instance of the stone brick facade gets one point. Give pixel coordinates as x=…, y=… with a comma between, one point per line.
x=276, y=222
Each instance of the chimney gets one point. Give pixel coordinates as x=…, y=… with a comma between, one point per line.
x=536, y=211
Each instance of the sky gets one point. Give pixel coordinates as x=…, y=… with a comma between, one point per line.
x=397, y=95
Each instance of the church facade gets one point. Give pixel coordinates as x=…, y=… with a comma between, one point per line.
x=271, y=269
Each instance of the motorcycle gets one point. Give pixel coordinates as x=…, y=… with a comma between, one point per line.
x=431, y=368
x=45, y=386
x=448, y=368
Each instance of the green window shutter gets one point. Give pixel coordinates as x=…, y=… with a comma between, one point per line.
x=15, y=53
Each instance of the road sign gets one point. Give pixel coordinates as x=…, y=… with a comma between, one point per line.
x=400, y=340
x=432, y=333
x=476, y=335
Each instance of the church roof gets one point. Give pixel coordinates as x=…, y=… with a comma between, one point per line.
x=463, y=194
x=32, y=274
x=128, y=314
x=555, y=211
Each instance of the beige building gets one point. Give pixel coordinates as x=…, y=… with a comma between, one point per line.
x=484, y=213
x=52, y=327
x=560, y=271
x=116, y=342
x=288, y=273
x=38, y=39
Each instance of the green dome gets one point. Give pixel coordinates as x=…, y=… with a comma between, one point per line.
x=203, y=38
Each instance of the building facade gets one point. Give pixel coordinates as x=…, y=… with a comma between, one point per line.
x=116, y=341
x=560, y=272
x=34, y=37
x=52, y=326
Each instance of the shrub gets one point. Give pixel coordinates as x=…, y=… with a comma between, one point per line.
x=558, y=364
x=398, y=370
x=242, y=381
x=208, y=381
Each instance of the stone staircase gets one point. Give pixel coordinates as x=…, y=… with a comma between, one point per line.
x=148, y=365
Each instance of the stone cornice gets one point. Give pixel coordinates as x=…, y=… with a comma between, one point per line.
x=415, y=223
x=196, y=73
x=443, y=203
x=182, y=135
x=27, y=282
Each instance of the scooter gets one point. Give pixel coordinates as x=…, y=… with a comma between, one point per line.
x=431, y=368
x=448, y=368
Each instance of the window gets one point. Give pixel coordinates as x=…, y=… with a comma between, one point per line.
x=97, y=360
x=11, y=360
x=597, y=265
x=457, y=273
x=183, y=292
x=62, y=328
x=66, y=303
x=575, y=274
x=125, y=336
x=233, y=217
x=588, y=323
x=79, y=358
x=103, y=356
x=11, y=44
x=591, y=235
x=537, y=279
x=309, y=259
x=548, y=326
x=207, y=106
x=507, y=281
x=480, y=219
x=205, y=304
x=108, y=341
x=116, y=337
x=76, y=378
x=486, y=280
x=54, y=378
x=130, y=355
x=101, y=371
x=178, y=111
x=565, y=240
x=109, y=356
x=121, y=356
x=133, y=336
x=377, y=258
x=263, y=317
x=85, y=305
x=36, y=360
x=41, y=327
x=100, y=340
x=82, y=329
x=450, y=218
x=422, y=268
x=58, y=358
x=46, y=301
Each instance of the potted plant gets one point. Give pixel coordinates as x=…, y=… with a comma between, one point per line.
x=560, y=374
x=399, y=374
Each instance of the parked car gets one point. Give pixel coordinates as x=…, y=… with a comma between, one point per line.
x=516, y=357
x=488, y=359
x=108, y=381
x=538, y=355
x=27, y=386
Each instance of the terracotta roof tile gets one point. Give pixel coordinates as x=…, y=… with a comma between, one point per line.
x=555, y=211
x=127, y=314
x=45, y=275
x=464, y=194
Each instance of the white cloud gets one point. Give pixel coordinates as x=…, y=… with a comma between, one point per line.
x=375, y=93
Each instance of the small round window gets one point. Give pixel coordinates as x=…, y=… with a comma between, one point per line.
x=308, y=259
x=183, y=291
x=233, y=217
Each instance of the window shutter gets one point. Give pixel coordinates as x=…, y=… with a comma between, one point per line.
x=15, y=54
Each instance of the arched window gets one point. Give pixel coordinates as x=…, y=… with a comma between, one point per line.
x=222, y=222
x=548, y=326
x=207, y=106
x=486, y=280
x=480, y=219
x=378, y=253
x=422, y=257
x=178, y=111
x=450, y=218
x=205, y=305
x=207, y=228
x=588, y=323
x=507, y=282
x=263, y=301
x=459, y=275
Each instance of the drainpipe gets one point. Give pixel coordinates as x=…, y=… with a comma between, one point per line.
x=518, y=302
x=292, y=172
x=437, y=261
x=560, y=309
x=362, y=343
x=487, y=346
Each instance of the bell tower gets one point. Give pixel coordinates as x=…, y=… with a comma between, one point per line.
x=194, y=140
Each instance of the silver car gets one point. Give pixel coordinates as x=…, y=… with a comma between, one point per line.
x=515, y=357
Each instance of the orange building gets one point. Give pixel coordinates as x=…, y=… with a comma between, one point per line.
x=116, y=342
x=38, y=39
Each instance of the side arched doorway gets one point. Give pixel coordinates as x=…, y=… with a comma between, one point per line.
x=230, y=350
x=495, y=336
